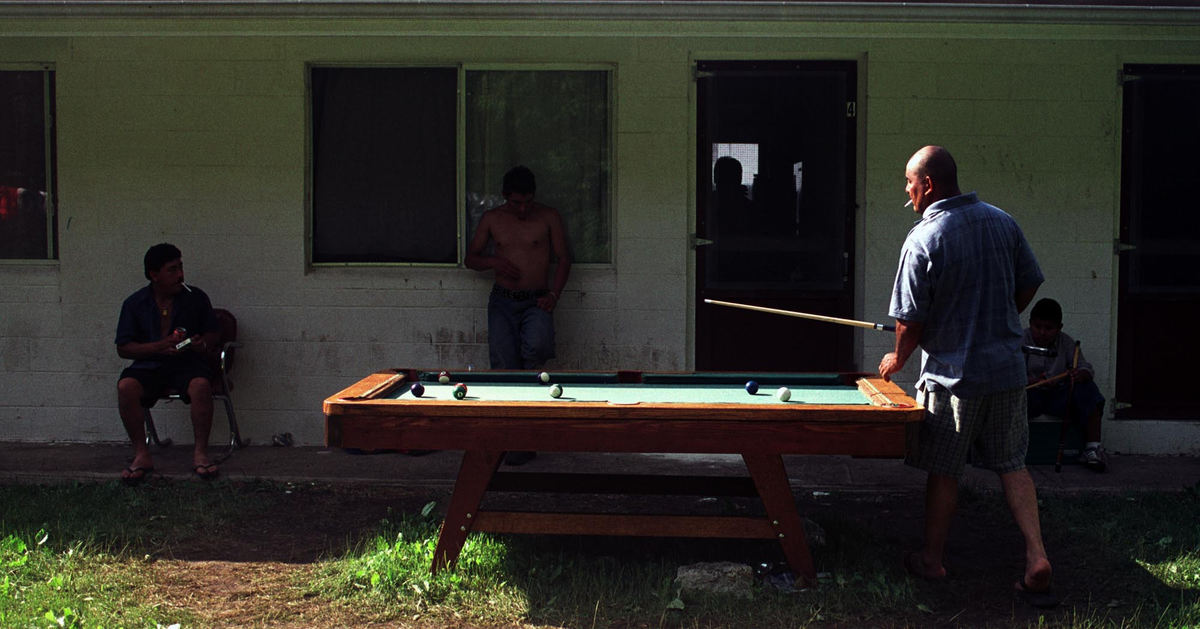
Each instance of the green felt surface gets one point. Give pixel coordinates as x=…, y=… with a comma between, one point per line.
x=705, y=393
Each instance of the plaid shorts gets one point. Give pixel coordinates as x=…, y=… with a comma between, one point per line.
x=990, y=431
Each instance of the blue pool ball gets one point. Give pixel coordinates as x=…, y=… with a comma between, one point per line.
x=751, y=387
x=417, y=389
x=556, y=391
x=460, y=391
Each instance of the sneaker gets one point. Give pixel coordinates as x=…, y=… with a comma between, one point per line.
x=1094, y=459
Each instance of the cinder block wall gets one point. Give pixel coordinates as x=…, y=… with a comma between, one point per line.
x=194, y=133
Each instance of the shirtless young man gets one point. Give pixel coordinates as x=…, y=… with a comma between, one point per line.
x=524, y=234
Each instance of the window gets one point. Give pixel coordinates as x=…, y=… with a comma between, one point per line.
x=384, y=165
x=385, y=169
x=28, y=229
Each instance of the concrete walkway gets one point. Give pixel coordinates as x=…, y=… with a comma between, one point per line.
x=51, y=463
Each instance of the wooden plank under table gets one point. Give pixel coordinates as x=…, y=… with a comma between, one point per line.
x=626, y=411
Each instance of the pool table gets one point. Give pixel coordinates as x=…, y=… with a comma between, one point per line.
x=624, y=411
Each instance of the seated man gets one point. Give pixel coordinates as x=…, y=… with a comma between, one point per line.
x=1086, y=402
x=155, y=323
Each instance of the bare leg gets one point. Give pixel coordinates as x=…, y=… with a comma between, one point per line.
x=941, y=501
x=200, y=392
x=1022, y=502
x=129, y=405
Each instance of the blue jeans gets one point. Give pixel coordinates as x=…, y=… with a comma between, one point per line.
x=1053, y=401
x=520, y=335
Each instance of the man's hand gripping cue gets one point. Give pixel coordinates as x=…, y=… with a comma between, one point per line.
x=908, y=337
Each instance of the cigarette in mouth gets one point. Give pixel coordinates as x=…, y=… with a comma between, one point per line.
x=905, y=205
x=189, y=288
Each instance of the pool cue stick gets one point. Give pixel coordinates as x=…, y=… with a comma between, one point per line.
x=1042, y=383
x=1062, y=431
x=804, y=315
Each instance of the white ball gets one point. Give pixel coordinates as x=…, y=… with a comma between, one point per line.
x=556, y=391
x=784, y=394
x=544, y=377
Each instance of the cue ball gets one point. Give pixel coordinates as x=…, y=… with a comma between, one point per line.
x=444, y=377
x=460, y=391
x=751, y=387
x=417, y=389
x=544, y=377
x=784, y=394
x=556, y=391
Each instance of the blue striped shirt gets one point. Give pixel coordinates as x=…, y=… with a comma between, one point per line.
x=960, y=268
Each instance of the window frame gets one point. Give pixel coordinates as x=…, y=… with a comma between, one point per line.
x=460, y=148
x=50, y=142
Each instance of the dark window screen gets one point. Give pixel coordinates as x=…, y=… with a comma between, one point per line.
x=384, y=165
x=27, y=229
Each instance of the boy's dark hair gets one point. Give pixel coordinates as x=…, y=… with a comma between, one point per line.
x=520, y=180
x=1047, y=310
x=158, y=255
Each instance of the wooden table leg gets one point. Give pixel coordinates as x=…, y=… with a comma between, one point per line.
x=476, y=472
x=770, y=478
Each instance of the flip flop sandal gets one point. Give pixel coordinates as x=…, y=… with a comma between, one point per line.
x=206, y=471
x=137, y=474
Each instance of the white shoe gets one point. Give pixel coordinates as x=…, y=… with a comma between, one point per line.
x=1094, y=459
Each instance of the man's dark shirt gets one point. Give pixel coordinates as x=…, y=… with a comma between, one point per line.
x=139, y=322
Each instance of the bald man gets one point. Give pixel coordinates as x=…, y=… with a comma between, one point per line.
x=965, y=274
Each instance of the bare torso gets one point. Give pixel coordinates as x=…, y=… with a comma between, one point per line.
x=524, y=241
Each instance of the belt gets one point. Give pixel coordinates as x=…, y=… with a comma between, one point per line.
x=518, y=295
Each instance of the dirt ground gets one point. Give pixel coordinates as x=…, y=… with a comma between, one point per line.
x=245, y=573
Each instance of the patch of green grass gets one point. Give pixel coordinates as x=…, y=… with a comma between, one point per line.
x=628, y=582
x=79, y=586
x=112, y=517
x=74, y=555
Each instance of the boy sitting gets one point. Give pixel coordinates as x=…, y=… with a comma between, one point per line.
x=1086, y=402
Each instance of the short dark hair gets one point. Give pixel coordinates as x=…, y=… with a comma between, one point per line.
x=519, y=179
x=159, y=255
x=1047, y=310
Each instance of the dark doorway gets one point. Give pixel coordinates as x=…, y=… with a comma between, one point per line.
x=1159, y=271
x=775, y=213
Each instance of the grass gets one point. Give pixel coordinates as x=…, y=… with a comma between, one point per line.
x=74, y=555
x=79, y=555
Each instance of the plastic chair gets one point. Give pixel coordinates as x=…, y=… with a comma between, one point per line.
x=220, y=363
